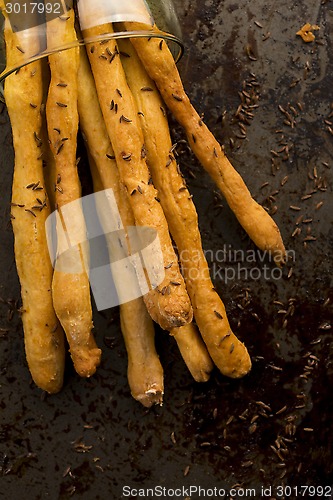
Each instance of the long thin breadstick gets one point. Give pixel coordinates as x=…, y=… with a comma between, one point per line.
x=194, y=351
x=144, y=369
x=145, y=372
x=43, y=336
x=168, y=304
x=228, y=353
x=137, y=329
x=71, y=292
x=161, y=67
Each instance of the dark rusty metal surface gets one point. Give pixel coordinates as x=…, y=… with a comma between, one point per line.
x=92, y=439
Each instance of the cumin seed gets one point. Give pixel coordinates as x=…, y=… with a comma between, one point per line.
x=177, y=98
x=124, y=119
x=30, y=211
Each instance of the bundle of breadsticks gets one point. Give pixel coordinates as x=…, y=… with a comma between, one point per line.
x=116, y=92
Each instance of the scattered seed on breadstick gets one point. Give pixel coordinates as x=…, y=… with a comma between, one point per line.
x=162, y=68
x=178, y=206
x=121, y=120
x=43, y=336
x=71, y=291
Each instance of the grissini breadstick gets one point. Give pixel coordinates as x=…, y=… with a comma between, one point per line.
x=71, y=291
x=162, y=68
x=43, y=336
x=168, y=304
x=144, y=369
x=194, y=351
x=228, y=353
x=144, y=372
x=105, y=174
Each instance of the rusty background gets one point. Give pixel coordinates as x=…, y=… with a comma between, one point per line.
x=268, y=97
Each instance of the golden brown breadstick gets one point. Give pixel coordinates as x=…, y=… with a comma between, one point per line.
x=71, y=292
x=194, y=351
x=162, y=68
x=228, y=353
x=144, y=370
x=105, y=175
x=43, y=336
x=168, y=304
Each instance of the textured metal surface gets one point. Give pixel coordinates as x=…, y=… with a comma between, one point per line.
x=92, y=438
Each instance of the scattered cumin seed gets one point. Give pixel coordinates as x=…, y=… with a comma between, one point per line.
x=139, y=189
x=126, y=157
x=218, y=315
x=223, y=338
x=111, y=157
x=294, y=207
x=309, y=237
x=161, y=44
x=232, y=347
x=282, y=410
x=124, y=119
x=319, y=205
x=177, y=98
x=61, y=104
x=147, y=89
x=30, y=211
x=119, y=93
x=230, y=419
